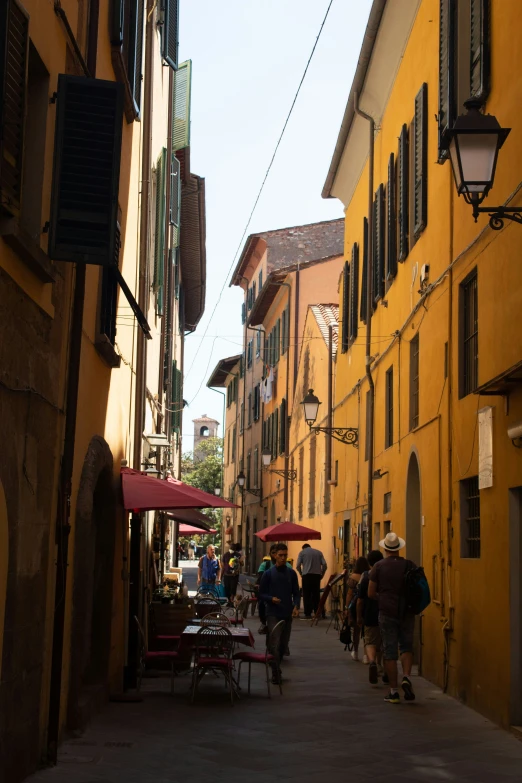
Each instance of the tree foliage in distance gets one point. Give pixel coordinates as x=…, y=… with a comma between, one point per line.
x=204, y=471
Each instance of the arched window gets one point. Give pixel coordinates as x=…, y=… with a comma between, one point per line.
x=204, y=432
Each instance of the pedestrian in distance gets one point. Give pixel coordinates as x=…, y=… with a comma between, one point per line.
x=279, y=589
x=209, y=568
x=231, y=563
x=387, y=585
x=312, y=567
x=368, y=620
x=192, y=549
x=361, y=565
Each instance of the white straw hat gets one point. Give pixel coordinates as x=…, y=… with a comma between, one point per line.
x=392, y=543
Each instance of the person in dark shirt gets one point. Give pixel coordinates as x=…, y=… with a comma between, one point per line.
x=368, y=618
x=387, y=586
x=231, y=563
x=279, y=590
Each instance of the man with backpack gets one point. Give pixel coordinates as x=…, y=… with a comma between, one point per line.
x=396, y=618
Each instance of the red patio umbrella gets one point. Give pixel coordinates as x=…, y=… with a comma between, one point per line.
x=288, y=531
x=143, y=493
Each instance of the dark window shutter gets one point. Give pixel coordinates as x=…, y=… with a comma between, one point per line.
x=354, y=294
x=135, y=61
x=282, y=427
x=447, y=56
x=170, y=32
x=378, y=245
x=403, y=216
x=420, y=205
x=117, y=22
x=14, y=43
x=84, y=200
x=346, y=301
x=243, y=313
x=175, y=190
x=277, y=339
x=391, y=258
x=109, y=295
x=175, y=260
x=159, y=243
x=364, y=285
x=480, y=50
x=275, y=432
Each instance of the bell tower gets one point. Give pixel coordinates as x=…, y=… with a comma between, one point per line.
x=204, y=428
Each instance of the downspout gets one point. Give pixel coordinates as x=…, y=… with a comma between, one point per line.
x=296, y=326
x=369, y=310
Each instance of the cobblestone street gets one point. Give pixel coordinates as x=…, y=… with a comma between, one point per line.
x=329, y=724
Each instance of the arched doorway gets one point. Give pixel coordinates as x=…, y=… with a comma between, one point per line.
x=94, y=543
x=413, y=511
x=4, y=562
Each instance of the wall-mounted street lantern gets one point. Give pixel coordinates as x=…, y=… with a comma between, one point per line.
x=240, y=481
x=475, y=140
x=217, y=491
x=266, y=457
x=348, y=435
x=379, y=474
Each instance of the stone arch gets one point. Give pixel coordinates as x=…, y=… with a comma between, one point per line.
x=413, y=510
x=94, y=545
x=204, y=432
x=4, y=562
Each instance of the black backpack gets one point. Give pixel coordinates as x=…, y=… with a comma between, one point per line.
x=416, y=589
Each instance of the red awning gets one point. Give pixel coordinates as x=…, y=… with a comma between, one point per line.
x=143, y=493
x=288, y=531
x=185, y=530
x=190, y=516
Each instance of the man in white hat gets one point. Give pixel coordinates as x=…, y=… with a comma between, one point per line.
x=387, y=586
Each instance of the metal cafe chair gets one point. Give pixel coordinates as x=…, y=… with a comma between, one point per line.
x=205, y=605
x=266, y=658
x=146, y=656
x=216, y=618
x=213, y=652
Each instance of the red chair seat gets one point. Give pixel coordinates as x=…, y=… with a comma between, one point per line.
x=152, y=655
x=252, y=657
x=225, y=663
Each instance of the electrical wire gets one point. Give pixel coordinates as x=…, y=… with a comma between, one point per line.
x=259, y=194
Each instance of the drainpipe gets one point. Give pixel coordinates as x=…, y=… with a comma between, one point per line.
x=369, y=310
x=296, y=326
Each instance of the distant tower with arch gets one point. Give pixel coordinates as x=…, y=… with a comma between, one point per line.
x=204, y=428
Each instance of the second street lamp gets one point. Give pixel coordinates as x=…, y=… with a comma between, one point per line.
x=266, y=457
x=348, y=435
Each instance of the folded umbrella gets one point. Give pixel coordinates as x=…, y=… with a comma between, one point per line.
x=288, y=531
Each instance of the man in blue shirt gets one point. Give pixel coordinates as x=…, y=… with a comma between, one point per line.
x=279, y=590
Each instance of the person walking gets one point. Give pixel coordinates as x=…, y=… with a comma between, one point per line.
x=279, y=589
x=209, y=569
x=267, y=562
x=396, y=625
x=231, y=563
x=312, y=567
x=368, y=620
x=361, y=565
x=192, y=549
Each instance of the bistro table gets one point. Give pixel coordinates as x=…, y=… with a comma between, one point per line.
x=239, y=634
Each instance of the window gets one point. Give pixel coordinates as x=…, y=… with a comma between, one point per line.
x=275, y=432
x=282, y=427
x=420, y=162
x=464, y=60
x=234, y=443
x=414, y=382
x=468, y=333
x=257, y=402
x=169, y=32
x=258, y=344
x=387, y=526
x=346, y=302
x=368, y=419
x=364, y=286
x=242, y=418
x=378, y=245
x=311, y=486
x=470, y=518
x=388, y=432
x=285, y=326
x=403, y=219
x=391, y=238
x=250, y=346
x=353, y=318
x=277, y=340
x=387, y=502
x=249, y=414
x=127, y=51
x=255, y=476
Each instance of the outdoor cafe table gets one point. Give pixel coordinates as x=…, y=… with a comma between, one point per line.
x=240, y=635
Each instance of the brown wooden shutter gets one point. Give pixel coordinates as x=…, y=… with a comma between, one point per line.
x=480, y=50
x=170, y=32
x=403, y=216
x=14, y=47
x=391, y=256
x=420, y=160
x=84, y=199
x=447, y=57
x=364, y=283
x=378, y=245
x=353, y=320
x=346, y=302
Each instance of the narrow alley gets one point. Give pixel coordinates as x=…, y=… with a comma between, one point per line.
x=329, y=722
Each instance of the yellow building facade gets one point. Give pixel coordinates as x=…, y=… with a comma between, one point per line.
x=445, y=353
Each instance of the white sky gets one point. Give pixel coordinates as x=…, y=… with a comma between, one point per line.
x=248, y=57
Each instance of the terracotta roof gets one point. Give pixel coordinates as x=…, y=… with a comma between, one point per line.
x=192, y=251
x=222, y=370
x=327, y=315
x=205, y=418
x=287, y=247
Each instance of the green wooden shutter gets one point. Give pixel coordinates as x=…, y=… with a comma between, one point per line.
x=420, y=162
x=403, y=217
x=364, y=282
x=159, y=241
x=170, y=32
x=14, y=47
x=447, y=75
x=353, y=324
x=277, y=339
x=135, y=56
x=378, y=245
x=181, y=106
x=86, y=174
x=391, y=256
x=480, y=50
x=346, y=304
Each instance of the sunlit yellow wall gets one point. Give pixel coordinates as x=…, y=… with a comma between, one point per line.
x=446, y=441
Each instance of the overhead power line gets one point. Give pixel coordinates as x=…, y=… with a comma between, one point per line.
x=259, y=193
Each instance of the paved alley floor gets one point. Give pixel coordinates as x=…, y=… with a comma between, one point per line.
x=328, y=724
